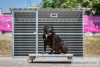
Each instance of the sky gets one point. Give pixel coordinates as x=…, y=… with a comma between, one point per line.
x=6, y=4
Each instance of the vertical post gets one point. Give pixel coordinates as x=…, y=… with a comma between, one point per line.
x=83, y=29
x=36, y=31
x=13, y=33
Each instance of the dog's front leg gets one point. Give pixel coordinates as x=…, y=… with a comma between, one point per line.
x=44, y=47
x=51, y=52
x=44, y=40
x=53, y=44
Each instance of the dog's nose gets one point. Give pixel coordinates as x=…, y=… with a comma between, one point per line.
x=49, y=30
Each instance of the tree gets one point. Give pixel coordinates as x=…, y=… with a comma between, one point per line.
x=69, y=4
x=87, y=3
x=92, y=4
x=59, y=3
x=46, y=4
x=96, y=6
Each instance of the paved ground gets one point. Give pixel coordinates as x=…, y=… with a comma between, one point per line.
x=22, y=62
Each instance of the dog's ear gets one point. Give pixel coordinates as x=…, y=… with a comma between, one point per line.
x=44, y=28
x=52, y=28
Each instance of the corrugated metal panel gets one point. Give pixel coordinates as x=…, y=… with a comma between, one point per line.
x=67, y=24
x=24, y=37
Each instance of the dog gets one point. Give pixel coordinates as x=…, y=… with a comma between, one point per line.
x=50, y=38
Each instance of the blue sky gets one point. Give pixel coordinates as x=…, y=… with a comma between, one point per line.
x=6, y=4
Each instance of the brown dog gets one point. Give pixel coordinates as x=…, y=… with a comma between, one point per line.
x=53, y=41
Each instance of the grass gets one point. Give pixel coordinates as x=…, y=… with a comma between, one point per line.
x=92, y=46
x=5, y=45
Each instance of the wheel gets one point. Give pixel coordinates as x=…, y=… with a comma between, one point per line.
x=69, y=57
x=31, y=58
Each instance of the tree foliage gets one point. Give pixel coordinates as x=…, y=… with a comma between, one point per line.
x=69, y=4
x=93, y=4
x=96, y=6
x=46, y=3
x=59, y=3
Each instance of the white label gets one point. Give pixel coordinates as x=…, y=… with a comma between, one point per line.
x=53, y=14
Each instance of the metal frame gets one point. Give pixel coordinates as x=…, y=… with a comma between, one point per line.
x=83, y=30
x=37, y=32
x=13, y=34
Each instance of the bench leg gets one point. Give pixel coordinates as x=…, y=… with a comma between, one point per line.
x=31, y=58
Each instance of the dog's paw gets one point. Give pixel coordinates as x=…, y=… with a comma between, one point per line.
x=50, y=53
x=44, y=52
x=57, y=53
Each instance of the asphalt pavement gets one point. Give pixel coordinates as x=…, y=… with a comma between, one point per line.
x=76, y=62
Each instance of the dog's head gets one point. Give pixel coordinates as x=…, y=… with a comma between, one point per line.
x=48, y=30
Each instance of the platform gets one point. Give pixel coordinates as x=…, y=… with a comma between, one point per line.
x=50, y=57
